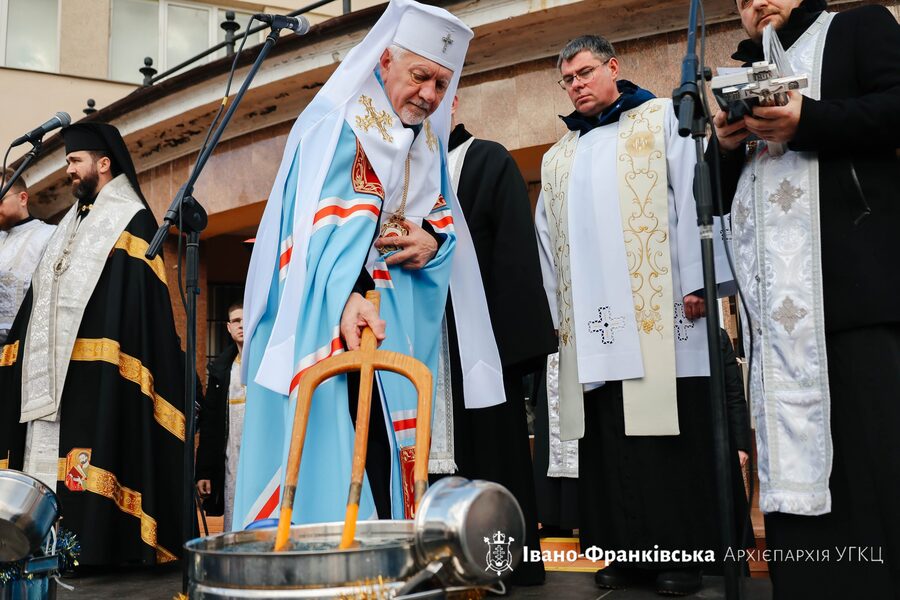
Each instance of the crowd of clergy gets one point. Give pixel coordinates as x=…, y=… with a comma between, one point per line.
x=590, y=305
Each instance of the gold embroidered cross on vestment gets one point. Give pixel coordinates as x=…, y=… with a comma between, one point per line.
x=430, y=139
x=380, y=120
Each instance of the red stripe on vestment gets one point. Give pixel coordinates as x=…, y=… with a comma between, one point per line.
x=269, y=507
x=441, y=222
x=336, y=346
x=404, y=424
x=285, y=258
x=341, y=212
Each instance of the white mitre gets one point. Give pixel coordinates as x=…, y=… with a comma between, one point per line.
x=435, y=34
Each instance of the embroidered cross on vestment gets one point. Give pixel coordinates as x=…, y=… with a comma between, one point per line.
x=379, y=120
x=606, y=325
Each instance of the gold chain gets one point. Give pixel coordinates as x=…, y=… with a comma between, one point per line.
x=401, y=214
x=395, y=226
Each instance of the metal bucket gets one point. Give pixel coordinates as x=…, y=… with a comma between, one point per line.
x=475, y=527
x=241, y=565
x=28, y=509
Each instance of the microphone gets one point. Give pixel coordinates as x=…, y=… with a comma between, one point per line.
x=298, y=25
x=60, y=119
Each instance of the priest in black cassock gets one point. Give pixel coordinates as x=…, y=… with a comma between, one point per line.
x=492, y=443
x=92, y=374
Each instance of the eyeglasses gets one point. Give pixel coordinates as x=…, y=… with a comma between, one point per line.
x=585, y=75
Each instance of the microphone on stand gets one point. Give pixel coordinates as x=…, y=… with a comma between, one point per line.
x=298, y=25
x=60, y=119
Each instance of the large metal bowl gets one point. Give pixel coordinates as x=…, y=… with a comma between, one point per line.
x=28, y=509
x=244, y=560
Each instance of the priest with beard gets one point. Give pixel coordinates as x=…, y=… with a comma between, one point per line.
x=492, y=443
x=92, y=374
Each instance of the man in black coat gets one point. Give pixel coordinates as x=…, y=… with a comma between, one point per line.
x=828, y=463
x=492, y=443
x=220, y=427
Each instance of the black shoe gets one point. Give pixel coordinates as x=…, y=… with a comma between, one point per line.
x=679, y=583
x=615, y=577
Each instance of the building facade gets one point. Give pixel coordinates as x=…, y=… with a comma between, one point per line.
x=508, y=93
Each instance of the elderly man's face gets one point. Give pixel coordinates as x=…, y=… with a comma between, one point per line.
x=756, y=14
x=414, y=85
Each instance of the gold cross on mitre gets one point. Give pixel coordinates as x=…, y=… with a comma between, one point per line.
x=379, y=120
x=448, y=41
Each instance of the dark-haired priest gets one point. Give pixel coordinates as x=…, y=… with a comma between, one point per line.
x=91, y=376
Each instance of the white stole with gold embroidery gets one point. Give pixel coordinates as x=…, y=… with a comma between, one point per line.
x=608, y=343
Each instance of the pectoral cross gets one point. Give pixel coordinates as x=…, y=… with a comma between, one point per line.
x=379, y=120
x=448, y=41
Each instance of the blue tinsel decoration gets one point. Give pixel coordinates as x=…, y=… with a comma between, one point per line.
x=67, y=546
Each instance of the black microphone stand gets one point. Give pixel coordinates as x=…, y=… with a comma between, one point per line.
x=30, y=157
x=188, y=215
x=692, y=120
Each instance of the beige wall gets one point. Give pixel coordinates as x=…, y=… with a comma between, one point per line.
x=84, y=38
x=30, y=98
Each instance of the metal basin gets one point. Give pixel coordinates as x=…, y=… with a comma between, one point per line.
x=28, y=509
x=242, y=564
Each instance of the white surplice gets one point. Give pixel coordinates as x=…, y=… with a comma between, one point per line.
x=600, y=286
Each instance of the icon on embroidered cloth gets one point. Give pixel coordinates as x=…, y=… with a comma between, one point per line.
x=78, y=466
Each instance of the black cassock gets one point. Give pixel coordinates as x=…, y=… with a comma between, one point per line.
x=123, y=399
x=639, y=492
x=492, y=443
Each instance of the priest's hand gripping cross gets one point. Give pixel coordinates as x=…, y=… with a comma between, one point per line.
x=366, y=360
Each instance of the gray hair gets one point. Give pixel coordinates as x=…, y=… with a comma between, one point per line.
x=597, y=45
x=397, y=52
